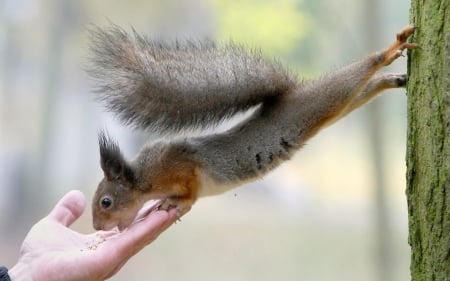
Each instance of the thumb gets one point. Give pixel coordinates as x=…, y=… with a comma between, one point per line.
x=69, y=208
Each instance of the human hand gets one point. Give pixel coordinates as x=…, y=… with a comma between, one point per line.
x=52, y=251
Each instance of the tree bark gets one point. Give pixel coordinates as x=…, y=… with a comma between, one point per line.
x=428, y=148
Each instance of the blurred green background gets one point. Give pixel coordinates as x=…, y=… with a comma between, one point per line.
x=337, y=211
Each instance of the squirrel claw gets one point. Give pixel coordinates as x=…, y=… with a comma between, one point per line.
x=400, y=53
x=403, y=35
x=396, y=49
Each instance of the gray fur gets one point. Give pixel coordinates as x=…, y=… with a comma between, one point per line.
x=169, y=87
x=281, y=126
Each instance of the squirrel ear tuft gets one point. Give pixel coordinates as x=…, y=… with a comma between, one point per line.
x=112, y=162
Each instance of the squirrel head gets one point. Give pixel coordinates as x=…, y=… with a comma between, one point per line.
x=116, y=200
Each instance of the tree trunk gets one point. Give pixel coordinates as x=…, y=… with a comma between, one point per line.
x=428, y=148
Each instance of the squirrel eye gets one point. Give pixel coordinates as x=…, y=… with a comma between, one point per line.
x=106, y=202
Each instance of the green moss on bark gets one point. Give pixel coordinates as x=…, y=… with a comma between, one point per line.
x=428, y=148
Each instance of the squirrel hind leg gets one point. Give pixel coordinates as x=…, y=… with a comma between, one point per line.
x=394, y=80
x=383, y=81
x=376, y=85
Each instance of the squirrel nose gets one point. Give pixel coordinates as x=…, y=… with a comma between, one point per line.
x=97, y=225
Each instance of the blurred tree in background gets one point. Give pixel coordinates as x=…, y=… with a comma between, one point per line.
x=274, y=26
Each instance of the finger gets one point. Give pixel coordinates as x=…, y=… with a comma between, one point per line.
x=69, y=208
x=139, y=235
x=147, y=230
x=173, y=217
x=115, y=252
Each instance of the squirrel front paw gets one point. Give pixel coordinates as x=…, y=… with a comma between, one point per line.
x=182, y=205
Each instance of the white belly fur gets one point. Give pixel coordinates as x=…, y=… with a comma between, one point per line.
x=209, y=187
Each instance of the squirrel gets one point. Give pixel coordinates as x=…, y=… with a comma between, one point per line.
x=170, y=87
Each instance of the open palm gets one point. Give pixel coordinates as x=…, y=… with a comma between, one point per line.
x=52, y=251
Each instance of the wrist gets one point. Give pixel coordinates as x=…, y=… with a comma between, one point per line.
x=19, y=272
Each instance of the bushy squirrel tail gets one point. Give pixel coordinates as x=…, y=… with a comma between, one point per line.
x=171, y=86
